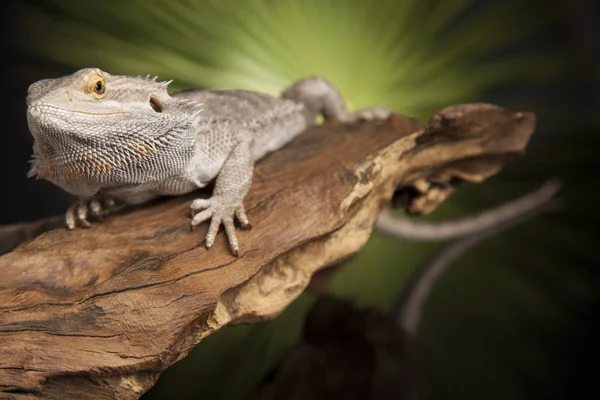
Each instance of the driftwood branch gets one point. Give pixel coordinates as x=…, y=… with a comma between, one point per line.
x=100, y=313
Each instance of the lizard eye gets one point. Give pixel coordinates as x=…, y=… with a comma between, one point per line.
x=95, y=84
x=99, y=87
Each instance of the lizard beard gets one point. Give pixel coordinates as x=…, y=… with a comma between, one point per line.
x=108, y=153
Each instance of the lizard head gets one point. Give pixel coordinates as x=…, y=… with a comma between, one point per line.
x=94, y=126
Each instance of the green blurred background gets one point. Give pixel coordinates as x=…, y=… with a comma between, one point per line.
x=517, y=318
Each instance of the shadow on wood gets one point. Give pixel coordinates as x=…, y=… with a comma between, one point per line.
x=100, y=313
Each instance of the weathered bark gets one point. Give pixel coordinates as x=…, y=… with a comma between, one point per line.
x=100, y=313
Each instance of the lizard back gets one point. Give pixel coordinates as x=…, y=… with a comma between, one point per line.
x=272, y=121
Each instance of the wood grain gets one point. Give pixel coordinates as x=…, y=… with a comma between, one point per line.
x=101, y=312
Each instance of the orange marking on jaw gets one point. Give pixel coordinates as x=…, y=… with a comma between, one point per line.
x=103, y=168
x=143, y=149
x=74, y=173
x=44, y=172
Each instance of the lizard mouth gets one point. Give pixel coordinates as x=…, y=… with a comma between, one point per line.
x=39, y=108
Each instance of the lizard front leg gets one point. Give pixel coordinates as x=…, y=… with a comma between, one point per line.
x=226, y=202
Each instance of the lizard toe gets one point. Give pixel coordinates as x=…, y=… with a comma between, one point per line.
x=231, y=235
x=371, y=114
x=200, y=204
x=201, y=217
x=70, y=217
x=82, y=214
x=108, y=204
x=240, y=214
x=213, y=229
x=95, y=209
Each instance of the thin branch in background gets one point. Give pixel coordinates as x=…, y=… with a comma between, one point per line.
x=404, y=228
x=410, y=306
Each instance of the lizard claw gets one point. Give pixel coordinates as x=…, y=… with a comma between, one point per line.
x=370, y=114
x=78, y=213
x=219, y=211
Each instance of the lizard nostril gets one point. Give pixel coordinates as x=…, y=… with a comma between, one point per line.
x=156, y=104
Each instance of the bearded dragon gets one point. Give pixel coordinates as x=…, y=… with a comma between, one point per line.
x=114, y=139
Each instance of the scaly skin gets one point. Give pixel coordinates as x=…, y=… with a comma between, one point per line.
x=109, y=138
